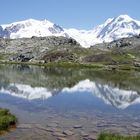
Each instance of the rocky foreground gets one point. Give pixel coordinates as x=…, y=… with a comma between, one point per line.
x=123, y=53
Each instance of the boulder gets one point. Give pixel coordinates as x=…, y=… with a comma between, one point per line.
x=137, y=64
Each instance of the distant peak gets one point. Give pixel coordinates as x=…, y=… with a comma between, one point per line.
x=27, y=21
x=123, y=17
x=31, y=19
x=30, y=22
x=119, y=18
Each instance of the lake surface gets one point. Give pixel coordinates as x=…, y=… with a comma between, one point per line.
x=48, y=101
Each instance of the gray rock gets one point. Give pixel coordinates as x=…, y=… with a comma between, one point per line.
x=52, y=125
x=68, y=132
x=44, y=128
x=92, y=137
x=60, y=138
x=58, y=134
x=77, y=126
x=136, y=124
x=84, y=134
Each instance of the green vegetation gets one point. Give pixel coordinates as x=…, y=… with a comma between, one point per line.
x=95, y=65
x=7, y=120
x=57, y=64
x=107, y=136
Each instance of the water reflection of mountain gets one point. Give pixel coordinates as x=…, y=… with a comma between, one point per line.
x=117, y=97
x=114, y=96
x=119, y=89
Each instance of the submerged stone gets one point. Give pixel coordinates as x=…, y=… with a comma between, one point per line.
x=58, y=134
x=78, y=126
x=52, y=125
x=68, y=132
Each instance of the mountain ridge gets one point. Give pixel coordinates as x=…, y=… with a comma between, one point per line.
x=112, y=29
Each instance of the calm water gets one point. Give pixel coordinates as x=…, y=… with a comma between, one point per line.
x=48, y=101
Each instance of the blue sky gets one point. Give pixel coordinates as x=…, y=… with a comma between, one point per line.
x=82, y=14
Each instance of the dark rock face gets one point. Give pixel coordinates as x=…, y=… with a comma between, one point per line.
x=58, y=28
x=22, y=58
x=121, y=43
x=137, y=36
x=1, y=32
x=55, y=29
x=5, y=33
x=52, y=30
x=14, y=28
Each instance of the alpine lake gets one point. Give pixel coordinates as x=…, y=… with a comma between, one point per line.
x=56, y=103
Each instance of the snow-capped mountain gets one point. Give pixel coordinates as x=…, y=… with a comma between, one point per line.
x=31, y=27
x=113, y=28
x=116, y=97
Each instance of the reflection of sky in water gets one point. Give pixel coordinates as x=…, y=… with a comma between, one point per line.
x=84, y=95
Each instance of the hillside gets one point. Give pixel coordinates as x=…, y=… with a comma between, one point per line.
x=46, y=50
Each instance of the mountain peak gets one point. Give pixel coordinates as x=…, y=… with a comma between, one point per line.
x=31, y=27
x=119, y=27
x=124, y=17
x=30, y=22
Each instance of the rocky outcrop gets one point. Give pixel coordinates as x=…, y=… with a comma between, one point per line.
x=26, y=49
x=1, y=32
x=120, y=43
x=22, y=58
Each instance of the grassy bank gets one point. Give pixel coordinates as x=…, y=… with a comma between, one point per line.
x=56, y=64
x=7, y=120
x=78, y=65
x=107, y=136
